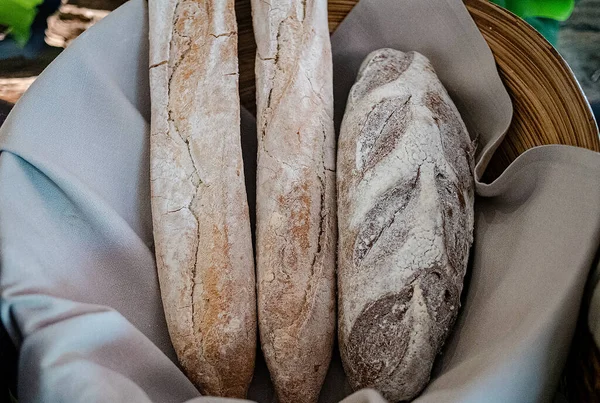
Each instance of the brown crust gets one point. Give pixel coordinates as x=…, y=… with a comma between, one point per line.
x=199, y=206
x=371, y=359
x=405, y=211
x=296, y=227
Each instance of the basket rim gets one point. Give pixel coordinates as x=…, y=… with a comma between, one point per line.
x=486, y=6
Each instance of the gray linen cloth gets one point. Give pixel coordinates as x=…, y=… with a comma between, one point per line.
x=78, y=285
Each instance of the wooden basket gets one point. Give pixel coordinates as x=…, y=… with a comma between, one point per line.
x=549, y=108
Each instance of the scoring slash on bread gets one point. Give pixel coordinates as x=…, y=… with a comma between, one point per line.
x=405, y=211
x=199, y=207
x=296, y=227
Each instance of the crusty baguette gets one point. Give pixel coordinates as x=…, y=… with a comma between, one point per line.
x=405, y=211
x=200, y=211
x=295, y=200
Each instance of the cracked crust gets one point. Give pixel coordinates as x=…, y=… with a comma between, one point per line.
x=405, y=211
x=199, y=206
x=296, y=228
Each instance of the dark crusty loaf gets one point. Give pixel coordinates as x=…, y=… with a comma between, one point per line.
x=405, y=213
x=199, y=207
x=295, y=195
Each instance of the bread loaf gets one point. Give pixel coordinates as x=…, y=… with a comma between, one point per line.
x=405, y=211
x=200, y=211
x=295, y=201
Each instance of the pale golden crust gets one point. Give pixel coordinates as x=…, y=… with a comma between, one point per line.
x=405, y=210
x=199, y=206
x=296, y=228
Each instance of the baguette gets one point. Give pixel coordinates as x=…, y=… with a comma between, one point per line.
x=199, y=206
x=295, y=201
x=405, y=210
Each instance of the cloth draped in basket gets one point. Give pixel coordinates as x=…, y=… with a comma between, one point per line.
x=78, y=285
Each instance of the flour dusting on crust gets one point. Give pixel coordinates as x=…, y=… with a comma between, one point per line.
x=199, y=206
x=405, y=214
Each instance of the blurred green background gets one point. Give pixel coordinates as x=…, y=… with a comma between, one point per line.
x=543, y=15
